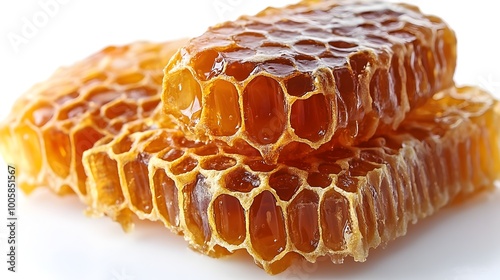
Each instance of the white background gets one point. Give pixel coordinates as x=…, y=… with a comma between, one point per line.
x=56, y=241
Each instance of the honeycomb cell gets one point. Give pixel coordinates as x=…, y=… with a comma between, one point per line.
x=184, y=166
x=335, y=221
x=230, y=219
x=197, y=197
x=136, y=174
x=321, y=179
x=218, y=163
x=240, y=180
x=303, y=221
x=311, y=118
x=58, y=151
x=130, y=78
x=223, y=112
x=102, y=95
x=41, y=114
x=299, y=85
x=166, y=197
x=208, y=64
x=187, y=99
x=264, y=110
x=285, y=183
x=121, y=109
x=267, y=227
x=106, y=179
x=171, y=154
x=311, y=47
x=83, y=139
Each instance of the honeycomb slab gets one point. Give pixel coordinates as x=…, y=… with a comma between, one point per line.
x=53, y=123
x=336, y=203
x=287, y=81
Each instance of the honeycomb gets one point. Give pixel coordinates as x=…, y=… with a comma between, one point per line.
x=53, y=123
x=335, y=203
x=290, y=80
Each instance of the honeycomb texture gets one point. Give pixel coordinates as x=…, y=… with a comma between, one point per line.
x=53, y=123
x=310, y=74
x=336, y=203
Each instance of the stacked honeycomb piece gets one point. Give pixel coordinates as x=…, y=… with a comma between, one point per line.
x=318, y=129
x=56, y=121
x=328, y=72
x=335, y=203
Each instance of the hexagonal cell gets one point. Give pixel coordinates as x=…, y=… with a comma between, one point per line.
x=230, y=219
x=67, y=98
x=303, y=221
x=40, y=113
x=94, y=78
x=182, y=94
x=260, y=166
x=337, y=153
x=278, y=67
x=299, y=85
x=186, y=165
x=166, y=197
x=31, y=149
x=197, y=198
x=121, y=109
x=267, y=226
x=102, y=95
x=109, y=191
x=311, y=47
x=171, y=154
x=83, y=139
x=335, y=220
x=273, y=49
x=311, y=118
x=249, y=39
x=222, y=109
x=136, y=174
x=129, y=78
x=157, y=144
x=123, y=146
x=329, y=168
x=240, y=180
x=306, y=63
x=285, y=183
x=240, y=70
x=332, y=60
x=208, y=64
x=206, y=150
x=264, y=110
x=218, y=163
x=148, y=107
x=58, y=151
x=358, y=167
x=347, y=183
x=384, y=101
x=342, y=45
x=72, y=111
x=359, y=61
x=137, y=93
x=319, y=179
